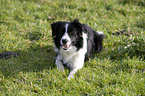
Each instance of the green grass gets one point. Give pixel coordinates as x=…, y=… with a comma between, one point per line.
x=117, y=70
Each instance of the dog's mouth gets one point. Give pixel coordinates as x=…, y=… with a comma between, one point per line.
x=66, y=47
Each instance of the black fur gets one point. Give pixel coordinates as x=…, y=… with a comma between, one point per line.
x=94, y=43
x=75, y=29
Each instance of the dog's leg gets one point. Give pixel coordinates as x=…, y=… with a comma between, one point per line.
x=71, y=74
x=78, y=64
x=59, y=64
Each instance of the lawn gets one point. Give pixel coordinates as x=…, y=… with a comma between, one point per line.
x=25, y=29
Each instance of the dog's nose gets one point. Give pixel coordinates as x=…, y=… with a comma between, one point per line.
x=64, y=41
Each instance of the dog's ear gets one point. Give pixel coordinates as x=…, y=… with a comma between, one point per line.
x=77, y=23
x=79, y=26
x=53, y=28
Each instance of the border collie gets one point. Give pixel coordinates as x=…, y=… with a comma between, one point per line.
x=74, y=43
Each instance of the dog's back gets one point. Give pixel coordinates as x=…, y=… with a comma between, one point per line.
x=95, y=41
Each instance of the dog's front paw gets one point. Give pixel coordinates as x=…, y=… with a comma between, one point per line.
x=70, y=76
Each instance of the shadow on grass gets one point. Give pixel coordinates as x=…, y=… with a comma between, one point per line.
x=136, y=2
x=38, y=58
x=34, y=35
x=140, y=23
x=32, y=60
x=4, y=23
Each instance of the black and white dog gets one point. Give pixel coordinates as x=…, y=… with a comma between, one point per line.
x=74, y=43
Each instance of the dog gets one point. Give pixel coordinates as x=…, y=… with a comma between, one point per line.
x=74, y=43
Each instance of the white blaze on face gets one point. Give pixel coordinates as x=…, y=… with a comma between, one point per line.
x=66, y=37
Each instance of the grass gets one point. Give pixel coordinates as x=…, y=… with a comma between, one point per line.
x=117, y=70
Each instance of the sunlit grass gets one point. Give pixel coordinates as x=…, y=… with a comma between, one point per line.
x=117, y=70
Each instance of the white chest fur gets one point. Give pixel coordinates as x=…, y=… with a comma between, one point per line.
x=72, y=57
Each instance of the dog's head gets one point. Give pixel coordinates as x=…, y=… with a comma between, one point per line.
x=67, y=34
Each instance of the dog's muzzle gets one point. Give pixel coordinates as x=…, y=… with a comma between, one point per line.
x=65, y=44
